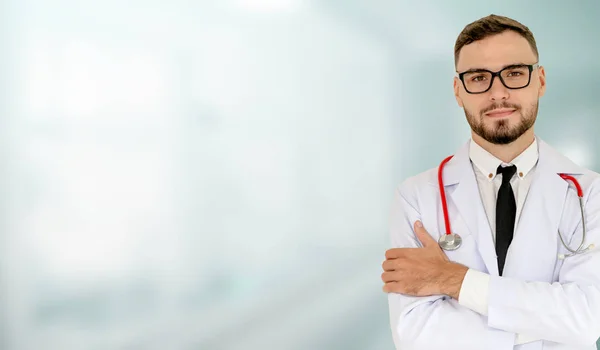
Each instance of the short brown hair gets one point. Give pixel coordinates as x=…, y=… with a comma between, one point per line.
x=488, y=26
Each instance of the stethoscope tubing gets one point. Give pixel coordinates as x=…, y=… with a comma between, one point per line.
x=563, y=176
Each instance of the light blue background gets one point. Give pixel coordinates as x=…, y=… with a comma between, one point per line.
x=218, y=174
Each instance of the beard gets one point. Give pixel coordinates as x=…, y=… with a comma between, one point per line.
x=501, y=133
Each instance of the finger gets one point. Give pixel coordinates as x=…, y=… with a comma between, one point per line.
x=392, y=287
x=424, y=236
x=389, y=276
x=396, y=253
x=390, y=264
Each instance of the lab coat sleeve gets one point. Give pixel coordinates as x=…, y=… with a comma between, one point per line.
x=434, y=322
x=567, y=311
x=474, y=294
x=474, y=291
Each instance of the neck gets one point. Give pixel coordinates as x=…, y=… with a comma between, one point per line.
x=508, y=152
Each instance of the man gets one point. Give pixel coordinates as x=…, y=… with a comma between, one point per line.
x=505, y=286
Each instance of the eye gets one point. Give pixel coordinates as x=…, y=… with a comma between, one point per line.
x=516, y=72
x=478, y=78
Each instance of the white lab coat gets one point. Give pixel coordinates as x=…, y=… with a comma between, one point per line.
x=538, y=295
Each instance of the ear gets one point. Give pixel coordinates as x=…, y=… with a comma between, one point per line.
x=542, y=80
x=457, y=83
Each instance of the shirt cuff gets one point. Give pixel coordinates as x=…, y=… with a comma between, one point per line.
x=474, y=292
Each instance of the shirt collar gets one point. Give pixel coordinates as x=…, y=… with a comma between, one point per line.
x=488, y=164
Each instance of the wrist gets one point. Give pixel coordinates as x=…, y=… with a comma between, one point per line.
x=453, y=275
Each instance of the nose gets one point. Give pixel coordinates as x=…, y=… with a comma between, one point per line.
x=498, y=91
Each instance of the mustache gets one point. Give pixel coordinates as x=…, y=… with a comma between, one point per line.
x=500, y=105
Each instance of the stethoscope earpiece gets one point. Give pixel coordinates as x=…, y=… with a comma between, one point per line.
x=564, y=256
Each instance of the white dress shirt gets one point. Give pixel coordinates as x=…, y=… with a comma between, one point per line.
x=475, y=287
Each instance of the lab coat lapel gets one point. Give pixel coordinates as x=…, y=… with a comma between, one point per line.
x=540, y=218
x=468, y=202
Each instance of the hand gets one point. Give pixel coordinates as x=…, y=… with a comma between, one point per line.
x=422, y=271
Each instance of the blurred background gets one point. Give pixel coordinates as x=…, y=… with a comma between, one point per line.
x=217, y=175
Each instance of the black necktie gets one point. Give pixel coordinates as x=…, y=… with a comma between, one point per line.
x=506, y=210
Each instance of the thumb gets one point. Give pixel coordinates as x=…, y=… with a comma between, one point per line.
x=424, y=236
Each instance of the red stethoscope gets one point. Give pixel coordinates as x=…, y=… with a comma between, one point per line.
x=452, y=241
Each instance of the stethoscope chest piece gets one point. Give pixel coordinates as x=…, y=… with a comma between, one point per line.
x=450, y=241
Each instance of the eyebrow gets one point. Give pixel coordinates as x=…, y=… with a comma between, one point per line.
x=485, y=69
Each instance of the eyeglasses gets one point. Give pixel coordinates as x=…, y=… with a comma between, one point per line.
x=516, y=76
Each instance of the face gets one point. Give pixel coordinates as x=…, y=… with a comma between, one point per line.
x=500, y=115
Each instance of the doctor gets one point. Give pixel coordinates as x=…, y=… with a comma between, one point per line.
x=504, y=287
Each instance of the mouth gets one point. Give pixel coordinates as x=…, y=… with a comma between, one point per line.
x=500, y=112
